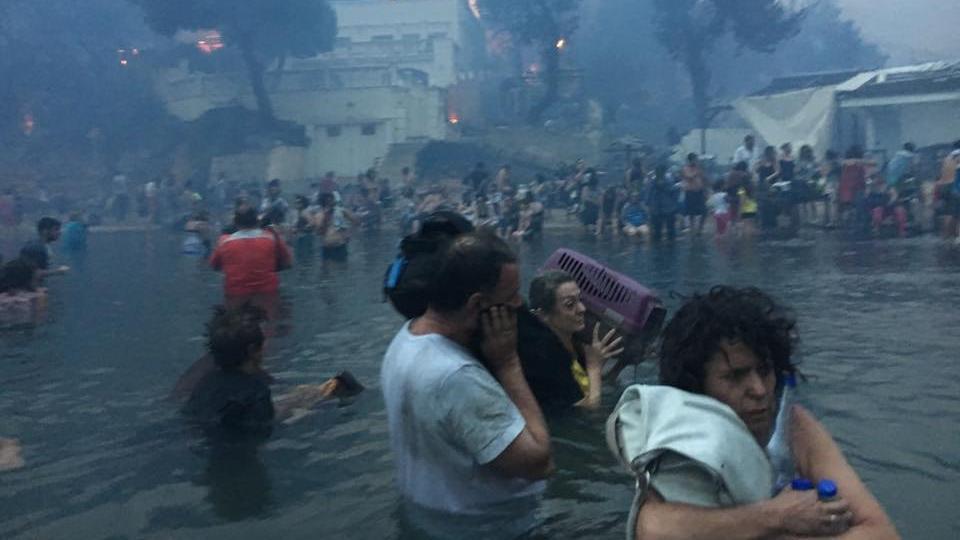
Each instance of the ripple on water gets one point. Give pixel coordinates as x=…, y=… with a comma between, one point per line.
x=106, y=456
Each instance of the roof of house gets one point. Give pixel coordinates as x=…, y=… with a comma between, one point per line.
x=930, y=78
x=806, y=80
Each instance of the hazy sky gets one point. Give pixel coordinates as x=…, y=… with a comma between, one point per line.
x=909, y=30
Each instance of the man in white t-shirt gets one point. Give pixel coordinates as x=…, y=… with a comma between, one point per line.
x=468, y=438
x=747, y=152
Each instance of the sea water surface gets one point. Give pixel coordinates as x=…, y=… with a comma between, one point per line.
x=108, y=458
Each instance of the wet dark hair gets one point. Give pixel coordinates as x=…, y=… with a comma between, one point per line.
x=543, y=289
x=470, y=264
x=326, y=198
x=691, y=157
x=770, y=152
x=17, y=275
x=232, y=331
x=47, y=223
x=806, y=152
x=245, y=217
x=855, y=152
x=274, y=183
x=910, y=147
x=725, y=315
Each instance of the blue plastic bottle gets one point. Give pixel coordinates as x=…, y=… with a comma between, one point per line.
x=826, y=490
x=778, y=449
x=802, y=484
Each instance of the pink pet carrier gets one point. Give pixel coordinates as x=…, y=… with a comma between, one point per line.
x=619, y=300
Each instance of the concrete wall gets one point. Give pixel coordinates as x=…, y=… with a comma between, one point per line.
x=364, y=20
x=887, y=127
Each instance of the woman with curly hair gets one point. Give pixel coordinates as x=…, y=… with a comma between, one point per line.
x=736, y=346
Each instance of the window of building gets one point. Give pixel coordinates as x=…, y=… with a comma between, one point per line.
x=368, y=129
x=333, y=131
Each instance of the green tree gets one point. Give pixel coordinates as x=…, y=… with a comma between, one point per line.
x=262, y=30
x=540, y=24
x=690, y=29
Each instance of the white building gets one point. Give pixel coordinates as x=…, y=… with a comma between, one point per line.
x=397, y=75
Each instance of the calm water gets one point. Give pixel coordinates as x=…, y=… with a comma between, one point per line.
x=107, y=458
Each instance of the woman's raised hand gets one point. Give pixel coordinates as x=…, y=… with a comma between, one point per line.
x=601, y=350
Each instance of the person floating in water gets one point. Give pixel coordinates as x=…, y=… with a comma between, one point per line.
x=736, y=346
x=236, y=396
x=38, y=250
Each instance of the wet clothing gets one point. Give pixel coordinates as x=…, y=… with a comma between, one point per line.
x=232, y=400
x=900, y=167
x=633, y=214
x=853, y=181
x=250, y=259
x=38, y=252
x=448, y=419
x=275, y=210
x=662, y=198
x=694, y=203
x=547, y=364
x=74, y=235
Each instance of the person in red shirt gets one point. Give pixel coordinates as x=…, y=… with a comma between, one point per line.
x=251, y=257
x=853, y=181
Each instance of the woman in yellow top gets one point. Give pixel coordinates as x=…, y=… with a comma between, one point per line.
x=561, y=370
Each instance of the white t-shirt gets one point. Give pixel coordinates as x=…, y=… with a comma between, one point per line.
x=448, y=418
x=718, y=203
x=750, y=157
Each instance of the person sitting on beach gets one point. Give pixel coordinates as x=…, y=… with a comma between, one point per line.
x=236, y=396
x=22, y=300
x=38, y=249
x=561, y=370
x=736, y=346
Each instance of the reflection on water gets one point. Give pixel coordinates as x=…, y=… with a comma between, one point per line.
x=107, y=456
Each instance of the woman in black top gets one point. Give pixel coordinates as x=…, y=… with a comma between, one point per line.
x=561, y=371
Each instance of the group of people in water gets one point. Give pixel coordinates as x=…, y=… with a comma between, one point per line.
x=473, y=377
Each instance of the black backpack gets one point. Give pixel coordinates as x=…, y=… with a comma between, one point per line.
x=409, y=277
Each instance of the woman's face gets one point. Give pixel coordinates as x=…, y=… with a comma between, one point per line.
x=567, y=315
x=745, y=383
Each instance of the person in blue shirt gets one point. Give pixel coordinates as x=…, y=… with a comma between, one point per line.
x=633, y=217
x=663, y=202
x=75, y=233
x=901, y=166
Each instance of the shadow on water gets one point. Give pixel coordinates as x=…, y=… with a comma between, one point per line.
x=107, y=456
